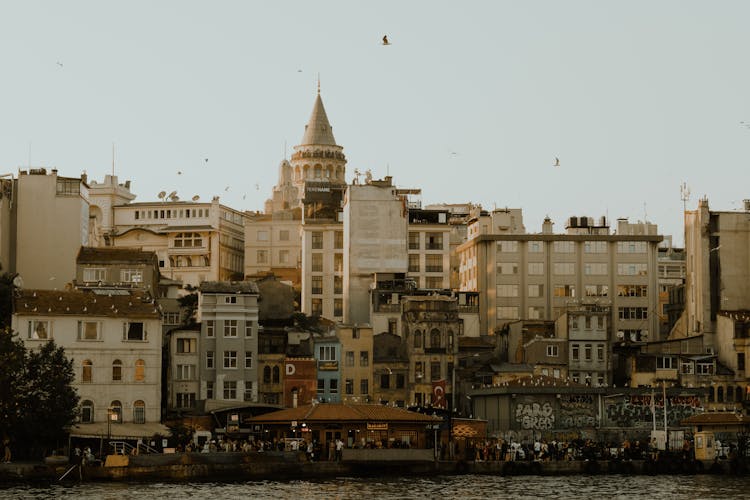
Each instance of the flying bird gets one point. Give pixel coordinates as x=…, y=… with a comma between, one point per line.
x=206, y=160
x=59, y=64
x=557, y=162
x=244, y=196
x=257, y=186
x=744, y=124
x=179, y=172
x=385, y=40
x=226, y=188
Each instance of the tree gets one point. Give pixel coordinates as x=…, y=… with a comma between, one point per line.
x=189, y=305
x=37, y=400
x=12, y=374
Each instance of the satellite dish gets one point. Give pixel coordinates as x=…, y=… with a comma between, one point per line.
x=161, y=195
x=172, y=195
x=18, y=281
x=196, y=198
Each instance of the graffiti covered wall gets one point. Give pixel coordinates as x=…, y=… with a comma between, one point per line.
x=638, y=411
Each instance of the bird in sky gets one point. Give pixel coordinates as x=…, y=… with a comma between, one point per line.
x=257, y=186
x=179, y=172
x=59, y=64
x=244, y=196
x=206, y=160
x=385, y=40
x=557, y=162
x=299, y=71
x=226, y=188
x=745, y=124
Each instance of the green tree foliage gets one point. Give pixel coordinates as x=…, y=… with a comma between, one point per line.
x=6, y=299
x=37, y=400
x=189, y=305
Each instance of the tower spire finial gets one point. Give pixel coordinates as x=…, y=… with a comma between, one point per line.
x=318, y=83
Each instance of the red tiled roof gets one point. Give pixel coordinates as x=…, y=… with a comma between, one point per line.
x=79, y=303
x=342, y=412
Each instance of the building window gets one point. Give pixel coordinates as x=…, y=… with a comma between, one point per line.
x=140, y=370
x=400, y=381
x=349, y=386
x=564, y=268
x=433, y=282
x=632, y=269
x=596, y=290
x=507, y=268
x=587, y=352
x=116, y=370
x=507, y=290
x=115, y=412
x=632, y=312
x=186, y=346
x=185, y=400
x=283, y=256
x=364, y=358
x=536, y=268
x=536, y=290
x=507, y=246
x=188, y=240
x=413, y=240
x=326, y=353
x=231, y=299
x=364, y=386
x=632, y=290
x=230, y=359
x=185, y=372
x=210, y=324
x=435, y=371
x=134, y=331
x=435, y=339
x=171, y=318
x=385, y=381
x=564, y=291
x=40, y=330
x=316, y=285
x=338, y=307
x=248, y=329
x=413, y=263
x=230, y=328
x=417, y=339
x=434, y=241
x=632, y=247
x=283, y=235
x=87, y=368
x=317, y=262
x=535, y=247
x=434, y=263
x=507, y=312
x=266, y=374
x=575, y=352
x=209, y=360
x=317, y=240
x=333, y=386
x=88, y=330
x=209, y=390
x=248, y=359
x=595, y=247
x=261, y=256
x=338, y=263
x=536, y=312
x=349, y=358
x=94, y=274
x=595, y=269
x=418, y=369
x=131, y=275
x=276, y=374
x=338, y=239
x=87, y=412
x=552, y=351
x=563, y=247
x=316, y=307
x=665, y=363
x=321, y=385
x=262, y=235
x=230, y=389
x=600, y=353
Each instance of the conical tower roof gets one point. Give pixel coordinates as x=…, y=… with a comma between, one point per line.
x=318, y=131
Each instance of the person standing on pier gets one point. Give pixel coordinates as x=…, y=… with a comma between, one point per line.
x=6, y=453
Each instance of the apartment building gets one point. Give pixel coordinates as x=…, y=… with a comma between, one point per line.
x=117, y=268
x=114, y=341
x=357, y=369
x=49, y=222
x=228, y=343
x=183, y=384
x=538, y=276
x=194, y=241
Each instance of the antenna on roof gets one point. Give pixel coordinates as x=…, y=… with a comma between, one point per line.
x=196, y=198
x=161, y=195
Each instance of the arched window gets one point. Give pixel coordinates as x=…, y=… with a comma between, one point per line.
x=417, y=339
x=266, y=374
x=87, y=371
x=711, y=397
x=87, y=412
x=435, y=340
x=140, y=370
x=139, y=412
x=116, y=370
x=276, y=374
x=720, y=395
x=115, y=412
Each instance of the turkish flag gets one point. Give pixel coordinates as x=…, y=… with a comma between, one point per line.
x=438, y=394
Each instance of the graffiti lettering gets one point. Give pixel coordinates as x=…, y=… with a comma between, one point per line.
x=535, y=416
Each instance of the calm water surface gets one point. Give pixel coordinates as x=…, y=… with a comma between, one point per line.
x=446, y=487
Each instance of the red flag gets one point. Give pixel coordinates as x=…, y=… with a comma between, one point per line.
x=438, y=394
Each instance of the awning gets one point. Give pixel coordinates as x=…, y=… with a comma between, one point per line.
x=119, y=431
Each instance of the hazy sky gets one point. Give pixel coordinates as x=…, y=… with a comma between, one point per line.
x=471, y=102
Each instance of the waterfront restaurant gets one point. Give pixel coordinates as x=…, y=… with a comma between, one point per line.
x=357, y=425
